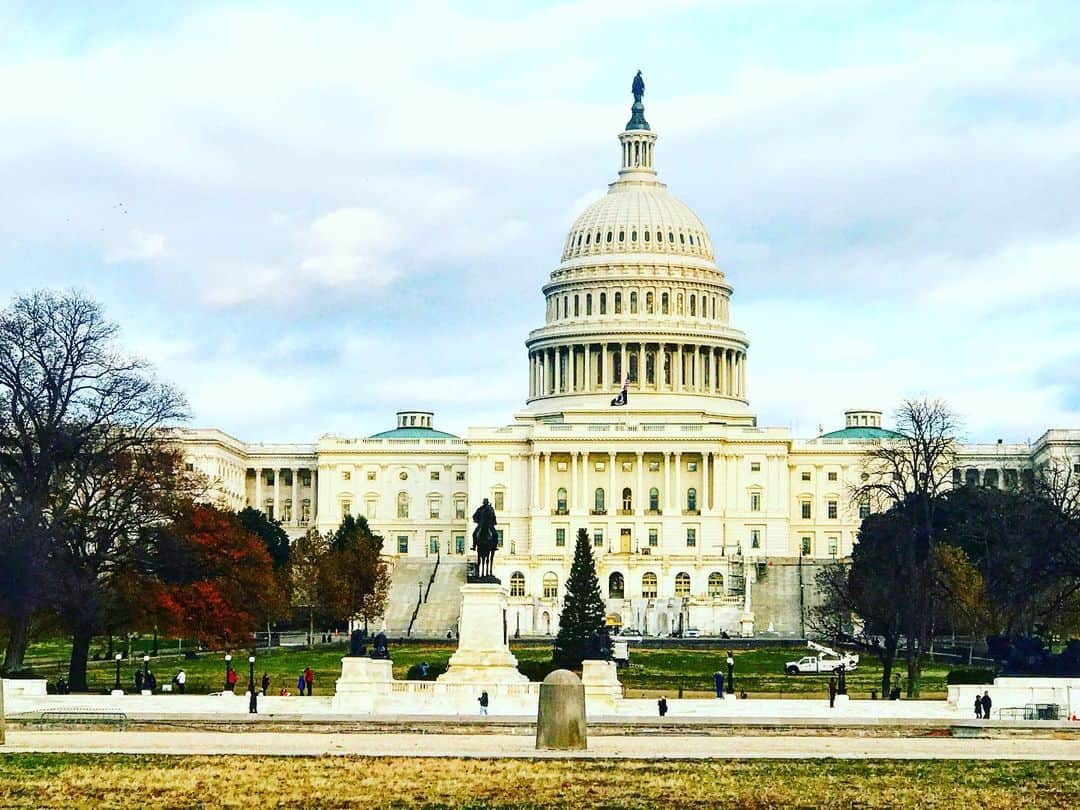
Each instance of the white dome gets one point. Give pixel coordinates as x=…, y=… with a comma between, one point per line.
x=638, y=218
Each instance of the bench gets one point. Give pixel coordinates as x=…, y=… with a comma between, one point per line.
x=82, y=716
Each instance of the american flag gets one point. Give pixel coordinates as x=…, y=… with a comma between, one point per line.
x=623, y=396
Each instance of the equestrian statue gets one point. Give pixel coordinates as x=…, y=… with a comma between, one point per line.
x=485, y=541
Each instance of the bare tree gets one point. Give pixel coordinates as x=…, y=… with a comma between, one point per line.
x=71, y=402
x=908, y=473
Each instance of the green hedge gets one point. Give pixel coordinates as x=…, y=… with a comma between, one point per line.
x=969, y=675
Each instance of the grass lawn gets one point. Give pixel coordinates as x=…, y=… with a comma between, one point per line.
x=125, y=781
x=759, y=671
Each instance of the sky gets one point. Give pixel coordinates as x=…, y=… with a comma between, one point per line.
x=311, y=215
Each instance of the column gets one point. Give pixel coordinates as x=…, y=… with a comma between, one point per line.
x=277, y=493
x=295, y=516
x=588, y=370
x=575, y=459
x=585, y=494
x=678, y=484
x=678, y=368
x=314, y=494
x=558, y=370
x=667, y=483
x=547, y=480
x=258, y=489
x=714, y=359
x=706, y=491
x=742, y=377
x=640, y=510
x=613, y=502
x=535, y=478
x=623, y=369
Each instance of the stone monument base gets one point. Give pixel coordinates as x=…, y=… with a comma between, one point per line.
x=483, y=655
x=362, y=683
x=601, y=682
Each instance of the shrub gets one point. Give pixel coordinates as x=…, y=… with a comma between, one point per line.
x=969, y=675
x=536, y=671
x=434, y=671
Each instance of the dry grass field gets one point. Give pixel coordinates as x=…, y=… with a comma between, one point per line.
x=86, y=781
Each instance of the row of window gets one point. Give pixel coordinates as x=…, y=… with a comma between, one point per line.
x=695, y=304
x=624, y=538
x=600, y=502
x=268, y=476
x=434, y=475
x=690, y=241
x=617, y=585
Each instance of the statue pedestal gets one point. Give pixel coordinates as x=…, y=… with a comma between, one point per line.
x=602, y=687
x=363, y=682
x=483, y=655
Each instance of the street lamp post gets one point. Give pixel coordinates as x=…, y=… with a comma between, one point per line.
x=118, y=657
x=253, y=699
x=146, y=671
x=228, y=667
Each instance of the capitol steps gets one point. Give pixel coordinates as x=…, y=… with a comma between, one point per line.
x=403, y=593
x=440, y=612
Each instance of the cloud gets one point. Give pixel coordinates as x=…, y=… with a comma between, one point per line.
x=350, y=246
x=139, y=247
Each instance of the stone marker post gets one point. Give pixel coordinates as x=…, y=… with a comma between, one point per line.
x=560, y=717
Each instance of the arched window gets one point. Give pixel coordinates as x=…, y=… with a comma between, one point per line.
x=654, y=499
x=648, y=585
x=622, y=236
x=551, y=586
x=659, y=237
x=627, y=499
x=633, y=363
x=588, y=303
x=664, y=303
x=598, y=499
x=693, y=305
x=579, y=240
x=691, y=499
x=609, y=237
x=517, y=584
x=618, y=303
x=587, y=238
x=650, y=367
x=603, y=303
x=566, y=306
x=598, y=237
x=403, y=505
x=682, y=584
x=648, y=236
x=648, y=303
x=560, y=499
x=615, y=586
x=577, y=306
x=671, y=237
x=682, y=239
x=633, y=236
x=679, y=304
x=716, y=584
x=633, y=303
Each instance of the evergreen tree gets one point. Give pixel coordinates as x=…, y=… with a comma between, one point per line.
x=269, y=531
x=583, y=609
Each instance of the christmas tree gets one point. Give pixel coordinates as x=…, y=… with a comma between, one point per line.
x=582, y=618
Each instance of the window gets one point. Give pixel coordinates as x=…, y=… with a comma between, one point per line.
x=864, y=510
x=833, y=509
x=346, y=509
x=805, y=550
x=286, y=511
x=804, y=506
x=618, y=303
x=598, y=501
x=517, y=584
x=434, y=507
x=691, y=538
x=433, y=544
x=371, y=475
x=498, y=498
x=459, y=475
x=577, y=306
x=499, y=465
x=755, y=501
x=805, y=476
x=560, y=500
x=598, y=537
x=305, y=510
x=189, y=466
x=588, y=297
x=628, y=466
x=691, y=500
x=691, y=466
x=654, y=466
x=600, y=466
x=665, y=303
x=551, y=586
x=603, y=302
x=403, y=544
x=648, y=303
x=434, y=475
x=1076, y=467
x=459, y=509
x=560, y=537
x=402, y=505
x=499, y=536
x=832, y=476
x=633, y=236
x=404, y=476
x=716, y=584
x=561, y=466
x=833, y=544
x=633, y=303
x=654, y=538
x=648, y=586
x=654, y=500
x=627, y=499
x=616, y=586
x=459, y=544
x=345, y=475
x=682, y=584
x=755, y=466
x=755, y=538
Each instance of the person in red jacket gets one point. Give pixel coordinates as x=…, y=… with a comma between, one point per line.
x=230, y=679
x=309, y=678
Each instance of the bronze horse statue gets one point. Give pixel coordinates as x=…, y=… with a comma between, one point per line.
x=485, y=539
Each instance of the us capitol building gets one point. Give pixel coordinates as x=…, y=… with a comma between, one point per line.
x=698, y=516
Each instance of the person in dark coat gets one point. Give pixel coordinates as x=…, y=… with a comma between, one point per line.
x=300, y=683
x=483, y=701
x=661, y=706
x=138, y=680
x=978, y=706
x=832, y=692
x=309, y=679
x=986, y=704
x=265, y=684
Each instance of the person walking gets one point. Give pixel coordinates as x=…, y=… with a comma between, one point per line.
x=301, y=682
x=309, y=679
x=832, y=692
x=180, y=679
x=986, y=704
x=978, y=706
x=718, y=682
x=230, y=679
x=138, y=680
x=661, y=706
x=265, y=684
x=730, y=672
x=483, y=701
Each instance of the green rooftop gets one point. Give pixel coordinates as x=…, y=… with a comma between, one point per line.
x=861, y=433
x=413, y=433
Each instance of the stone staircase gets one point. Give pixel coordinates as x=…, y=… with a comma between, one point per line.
x=402, y=596
x=442, y=608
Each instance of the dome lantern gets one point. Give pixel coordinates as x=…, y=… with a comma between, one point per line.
x=637, y=141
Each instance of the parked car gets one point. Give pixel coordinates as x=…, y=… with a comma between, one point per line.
x=825, y=663
x=630, y=634
x=693, y=632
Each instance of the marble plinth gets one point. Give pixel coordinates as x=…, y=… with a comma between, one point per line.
x=483, y=655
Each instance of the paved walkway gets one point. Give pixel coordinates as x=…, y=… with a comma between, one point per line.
x=508, y=745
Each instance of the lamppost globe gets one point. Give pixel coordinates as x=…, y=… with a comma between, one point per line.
x=118, y=657
x=228, y=668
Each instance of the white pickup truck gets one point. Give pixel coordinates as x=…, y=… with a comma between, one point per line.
x=825, y=663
